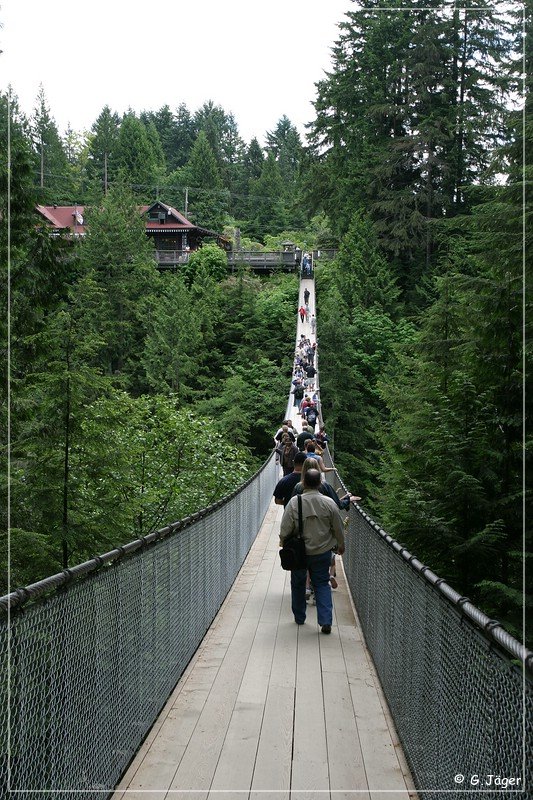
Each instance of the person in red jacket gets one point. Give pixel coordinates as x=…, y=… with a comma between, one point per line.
x=301, y=312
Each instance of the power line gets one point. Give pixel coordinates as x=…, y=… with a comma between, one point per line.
x=157, y=188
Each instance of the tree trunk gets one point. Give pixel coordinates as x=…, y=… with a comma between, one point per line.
x=461, y=120
x=66, y=464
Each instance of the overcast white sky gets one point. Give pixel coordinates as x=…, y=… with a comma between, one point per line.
x=255, y=58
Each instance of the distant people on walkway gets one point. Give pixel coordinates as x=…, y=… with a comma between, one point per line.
x=310, y=449
x=325, y=488
x=310, y=371
x=322, y=530
x=301, y=312
x=307, y=433
x=307, y=295
x=304, y=404
x=311, y=415
x=288, y=452
x=307, y=312
x=322, y=437
x=298, y=393
x=284, y=487
x=313, y=324
x=286, y=428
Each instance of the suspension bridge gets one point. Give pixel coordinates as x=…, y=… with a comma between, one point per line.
x=172, y=667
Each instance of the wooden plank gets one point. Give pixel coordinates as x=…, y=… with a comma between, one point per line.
x=272, y=768
x=199, y=761
x=343, y=607
x=381, y=764
x=146, y=795
x=207, y=740
x=345, y=758
x=160, y=763
x=235, y=766
x=310, y=757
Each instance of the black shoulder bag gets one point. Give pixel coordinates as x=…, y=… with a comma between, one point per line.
x=292, y=554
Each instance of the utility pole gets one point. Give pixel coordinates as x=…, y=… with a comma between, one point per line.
x=186, y=200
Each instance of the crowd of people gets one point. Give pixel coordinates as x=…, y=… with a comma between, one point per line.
x=299, y=453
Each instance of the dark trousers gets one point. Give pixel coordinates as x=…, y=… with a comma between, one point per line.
x=318, y=567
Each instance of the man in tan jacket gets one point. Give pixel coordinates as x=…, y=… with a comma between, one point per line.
x=322, y=530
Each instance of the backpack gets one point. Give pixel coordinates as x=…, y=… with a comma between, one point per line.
x=312, y=416
x=298, y=392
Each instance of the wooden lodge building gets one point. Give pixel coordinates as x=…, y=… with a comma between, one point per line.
x=174, y=236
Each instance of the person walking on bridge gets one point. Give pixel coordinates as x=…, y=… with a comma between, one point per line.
x=284, y=487
x=301, y=312
x=307, y=295
x=307, y=433
x=322, y=531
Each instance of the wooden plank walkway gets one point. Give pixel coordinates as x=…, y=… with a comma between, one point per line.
x=266, y=706
x=269, y=710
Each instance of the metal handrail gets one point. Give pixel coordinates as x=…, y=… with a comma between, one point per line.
x=16, y=599
x=490, y=628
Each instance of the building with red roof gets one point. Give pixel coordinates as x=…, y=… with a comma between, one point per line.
x=174, y=236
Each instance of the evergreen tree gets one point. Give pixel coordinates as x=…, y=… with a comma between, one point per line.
x=291, y=159
x=353, y=356
x=222, y=133
x=55, y=178
x=158, y=155
x=174, y=343
x=101, y=166
x=253, y=160
x=286, y=146
x=57, y=388
x=165, y=125
x=135, y=158
x=207, y=199
x=249, y=170
x=41, y=267
x=77, y=152
x=399, y=129
x=276, y=139
x=117, y=248
x=17, y=204
x=268, y=210
x=20, y=177
x=184, y=138
x=362, y=271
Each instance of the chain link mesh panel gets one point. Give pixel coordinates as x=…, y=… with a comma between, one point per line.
x=92, y=664
x=462, y=706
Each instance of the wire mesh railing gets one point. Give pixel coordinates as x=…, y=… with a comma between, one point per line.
x=459, y=687
x=90, y=656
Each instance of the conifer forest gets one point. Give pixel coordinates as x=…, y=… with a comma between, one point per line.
x=134, y=396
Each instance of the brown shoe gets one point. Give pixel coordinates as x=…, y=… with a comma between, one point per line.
x=333, y=582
